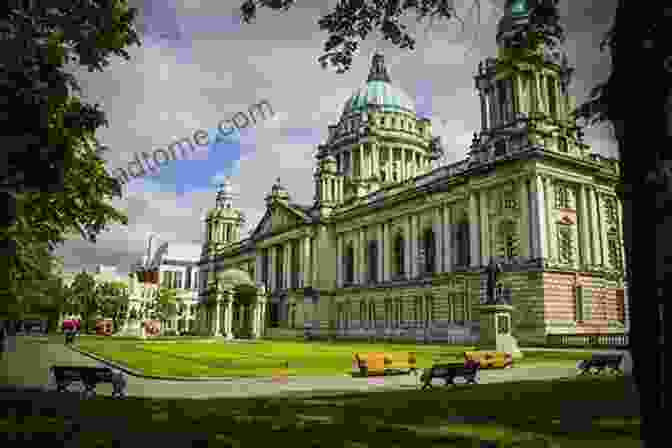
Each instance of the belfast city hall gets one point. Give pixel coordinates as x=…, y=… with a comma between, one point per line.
x=396, y=246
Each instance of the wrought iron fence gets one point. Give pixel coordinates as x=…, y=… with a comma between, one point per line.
x=593, y=340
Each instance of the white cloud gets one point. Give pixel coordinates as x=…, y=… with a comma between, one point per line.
x=163, y=94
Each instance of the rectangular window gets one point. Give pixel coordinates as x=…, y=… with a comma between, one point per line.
x=578, y=295
x=178, y=279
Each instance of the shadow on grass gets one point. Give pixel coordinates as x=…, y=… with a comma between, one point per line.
x=594, y=412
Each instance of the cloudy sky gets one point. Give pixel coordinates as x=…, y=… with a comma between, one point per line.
x=198, y=65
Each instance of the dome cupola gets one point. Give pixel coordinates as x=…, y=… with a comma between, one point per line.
x=378, y=93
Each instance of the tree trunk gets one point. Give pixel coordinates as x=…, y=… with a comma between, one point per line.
x=641, y=123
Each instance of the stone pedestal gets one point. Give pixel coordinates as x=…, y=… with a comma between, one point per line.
x=495, y=331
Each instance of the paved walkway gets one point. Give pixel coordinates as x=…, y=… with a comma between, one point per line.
x=27, y=366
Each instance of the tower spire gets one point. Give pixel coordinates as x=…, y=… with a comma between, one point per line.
x=378, y=70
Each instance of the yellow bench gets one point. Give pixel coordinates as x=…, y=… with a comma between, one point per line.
x=375, y=363
x=488, y=360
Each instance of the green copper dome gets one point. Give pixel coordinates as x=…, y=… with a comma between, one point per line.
x=378, y=92
x=518, y=7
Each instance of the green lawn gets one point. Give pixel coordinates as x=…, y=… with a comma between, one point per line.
x=182, y=358
x=589, y=412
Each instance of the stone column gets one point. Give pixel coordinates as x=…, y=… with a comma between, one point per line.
x=314, y=259
x=524, y=219
x=361, y=256
x=540, y=221
x=534, y=228
x=387, y=252
x=307, y=272
x=381, y=250
x=541, y=98
x=217, y=318
x=262, y=318
x=228, y=317
x=415, y=239
x=594, y=227
x=254, y=318
x=447, y=239
x=473, y=230
x=438, y=240
x=258, y=266
x=287, y=264
x=485, y=228
x=619, y=226
x=583, y=225
x=603, y=231
x=374, y=160
x=273, y=255
x=407, y=244
x=549, y=196
x=339, y=260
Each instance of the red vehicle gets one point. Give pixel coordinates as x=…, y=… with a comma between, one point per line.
x=104, y=327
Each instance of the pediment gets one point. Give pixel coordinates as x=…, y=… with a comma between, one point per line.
x=278, y=217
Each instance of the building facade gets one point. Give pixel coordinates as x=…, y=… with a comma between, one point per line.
x=174, y=266
x=395, y=245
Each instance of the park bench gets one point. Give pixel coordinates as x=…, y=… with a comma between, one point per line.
x=90, y=377
x=376, y=363
x=600, y=362
x=449, y=371
x=488, y=359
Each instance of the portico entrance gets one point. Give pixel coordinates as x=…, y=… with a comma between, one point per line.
x=235, y=306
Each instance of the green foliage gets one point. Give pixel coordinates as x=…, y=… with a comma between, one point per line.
x=114, y=299
x=59, y=180
x=165, y=304
x=40, y=39
x=352, y=21
x=85, y=297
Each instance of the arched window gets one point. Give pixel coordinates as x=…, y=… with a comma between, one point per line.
x=430, y=251
x=373, y=261
x=349, y=264
x=399, y=255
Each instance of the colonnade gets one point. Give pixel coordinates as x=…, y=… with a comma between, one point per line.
x=537, y=231
x=219, y=318
x=373, y=160
x=307, y=273
x=521, y=94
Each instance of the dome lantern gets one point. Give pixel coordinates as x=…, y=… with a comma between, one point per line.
x=378, y=94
